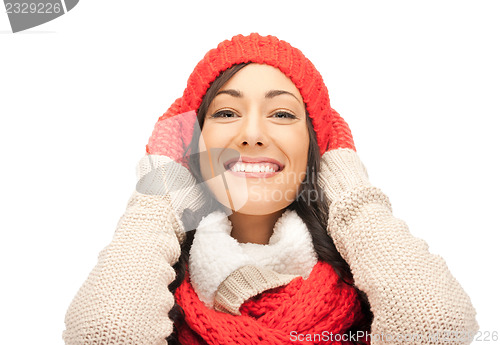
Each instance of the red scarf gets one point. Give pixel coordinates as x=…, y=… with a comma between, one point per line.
x=318, y=310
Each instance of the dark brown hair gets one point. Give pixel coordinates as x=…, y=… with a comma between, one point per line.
x=313, y=211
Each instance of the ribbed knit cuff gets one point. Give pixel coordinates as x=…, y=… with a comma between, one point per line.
x=244, y=283
x=340, y=171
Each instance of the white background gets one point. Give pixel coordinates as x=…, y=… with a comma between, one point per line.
x=418, y=83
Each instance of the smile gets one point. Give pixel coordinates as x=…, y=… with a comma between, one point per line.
x=253, y=167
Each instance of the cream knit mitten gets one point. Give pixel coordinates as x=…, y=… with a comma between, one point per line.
x=340, y=171
x=162, y=177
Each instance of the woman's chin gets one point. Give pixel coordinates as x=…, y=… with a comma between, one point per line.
x=251, y=197
x=259, y=208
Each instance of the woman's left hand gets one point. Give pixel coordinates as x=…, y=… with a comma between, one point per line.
x=340, y=171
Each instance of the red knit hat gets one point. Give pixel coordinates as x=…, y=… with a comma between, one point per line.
x=331, y=130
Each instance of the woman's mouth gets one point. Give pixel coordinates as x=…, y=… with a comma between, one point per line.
x=253, y=167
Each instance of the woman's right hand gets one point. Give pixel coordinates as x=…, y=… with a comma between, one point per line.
x=162, y=177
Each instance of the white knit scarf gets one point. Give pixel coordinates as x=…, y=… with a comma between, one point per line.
x=214, y=254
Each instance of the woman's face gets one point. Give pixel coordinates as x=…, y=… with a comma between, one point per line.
x=255, y=124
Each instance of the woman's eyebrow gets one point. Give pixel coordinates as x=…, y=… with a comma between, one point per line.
x=274, y=93
x=232, y=92
x=269, y=94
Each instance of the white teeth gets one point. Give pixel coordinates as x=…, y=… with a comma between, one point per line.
x=240, y=167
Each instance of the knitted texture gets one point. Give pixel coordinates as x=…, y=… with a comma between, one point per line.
x=161, y=175
x=340, y=170
x=411, y=291
x=125, y=299
x=172, y=135
x=438, y=305
x=215, y=253
x=331, y=130
x=320, y=303
x=244, y=283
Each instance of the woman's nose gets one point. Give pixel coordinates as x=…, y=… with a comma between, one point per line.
x=252, y=132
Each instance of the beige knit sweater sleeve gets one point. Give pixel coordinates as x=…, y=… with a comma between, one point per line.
x=411, y=291
x=125, y=299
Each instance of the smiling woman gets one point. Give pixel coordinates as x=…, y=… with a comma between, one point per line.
x=254, y=222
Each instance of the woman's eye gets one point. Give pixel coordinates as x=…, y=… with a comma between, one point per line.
x=224, y=114
x=284, y=115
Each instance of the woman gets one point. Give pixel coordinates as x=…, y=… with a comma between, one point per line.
x=290, y=242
